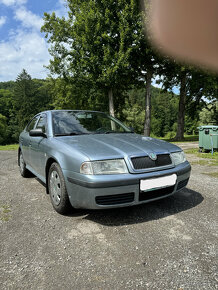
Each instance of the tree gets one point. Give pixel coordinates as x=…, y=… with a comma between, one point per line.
x=6, y=97
x=69, y=94
x=146, y=62
x=30, y=97
x=96, y=44
x=19, y=101
x=163, y=111
x=209, y=114
x=194, y=85
x=24, y=103
x=3, y=129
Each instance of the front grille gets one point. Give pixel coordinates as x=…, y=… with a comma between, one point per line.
x=146, y=195
x=115, y=199
x=182, y=183
x=145, y=162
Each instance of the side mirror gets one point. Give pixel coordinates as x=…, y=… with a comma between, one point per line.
x=37, y=133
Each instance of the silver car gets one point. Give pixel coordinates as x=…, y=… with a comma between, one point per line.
x=89, y=159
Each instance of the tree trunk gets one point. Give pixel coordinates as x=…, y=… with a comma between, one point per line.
x=181, y=114
x=147, y=124
x=111, y=102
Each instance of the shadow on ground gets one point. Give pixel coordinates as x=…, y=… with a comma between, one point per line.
x=181, y=201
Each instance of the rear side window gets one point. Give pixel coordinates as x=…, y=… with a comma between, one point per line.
x=32, y=123
x=42, y=123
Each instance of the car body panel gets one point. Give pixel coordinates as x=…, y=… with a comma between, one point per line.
x=111, y=145
x=83, y=195
x=71, y=151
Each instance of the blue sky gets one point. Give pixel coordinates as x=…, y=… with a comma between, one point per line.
x=22, y=45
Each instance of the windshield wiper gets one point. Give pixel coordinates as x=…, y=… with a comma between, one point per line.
x=129, y=132
x=68, y=134
x=111, y=132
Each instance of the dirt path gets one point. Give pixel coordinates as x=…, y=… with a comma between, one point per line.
x=168, y=244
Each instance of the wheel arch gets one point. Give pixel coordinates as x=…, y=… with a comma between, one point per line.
x=48, y=165
x=18, y=156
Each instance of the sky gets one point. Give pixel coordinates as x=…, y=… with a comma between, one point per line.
x=22, y=45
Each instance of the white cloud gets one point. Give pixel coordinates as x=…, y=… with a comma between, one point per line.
x=61, y=8
x=28, y=19
x=23, y=50
x=25, y=47
x=13, y=2
x=2, y=20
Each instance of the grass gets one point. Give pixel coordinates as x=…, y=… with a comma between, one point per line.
x=205, y=162
x=9, y=147
x=187, y=138
x=202, y=155
x=5, y=213
x=212, y=174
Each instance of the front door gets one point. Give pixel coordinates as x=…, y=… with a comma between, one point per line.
x=38, y=147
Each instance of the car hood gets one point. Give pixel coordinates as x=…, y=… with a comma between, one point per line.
x=110, y=146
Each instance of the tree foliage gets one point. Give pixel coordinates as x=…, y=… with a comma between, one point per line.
x=164, y=107
x=101, y=52
x=19, y=101
x=193, y=85
x=3, y=129
x=98, y=43
x=209, y=114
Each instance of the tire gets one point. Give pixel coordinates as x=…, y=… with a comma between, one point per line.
x=22, y=165
x=57, y=189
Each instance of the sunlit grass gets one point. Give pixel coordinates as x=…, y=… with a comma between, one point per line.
x=206, y=162
x=212, y=174
x=9, y=147
x=187, y=138
x=202, y=155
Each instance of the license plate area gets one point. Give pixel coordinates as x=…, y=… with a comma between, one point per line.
x=158, y=182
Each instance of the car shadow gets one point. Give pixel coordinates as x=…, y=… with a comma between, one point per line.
x=40, y=181
x=180, y=201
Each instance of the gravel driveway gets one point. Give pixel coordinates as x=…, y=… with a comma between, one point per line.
x=168, y=244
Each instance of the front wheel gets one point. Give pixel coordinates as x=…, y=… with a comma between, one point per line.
x=57, y=189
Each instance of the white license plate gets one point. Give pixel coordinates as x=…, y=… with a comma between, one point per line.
x=159, y=182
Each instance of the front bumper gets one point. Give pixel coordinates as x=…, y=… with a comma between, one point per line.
x=111, y=191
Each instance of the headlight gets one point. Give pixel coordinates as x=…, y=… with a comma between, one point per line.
x=117, y=166
x=178, y=157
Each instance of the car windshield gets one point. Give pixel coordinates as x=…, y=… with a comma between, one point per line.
x=69, y=123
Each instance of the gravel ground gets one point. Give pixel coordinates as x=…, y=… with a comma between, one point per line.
x=167, y=244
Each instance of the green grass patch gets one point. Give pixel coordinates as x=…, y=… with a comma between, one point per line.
x=5, y=213
x=202, y=155
x=204, y=162
x=9, y=147
x=212, y=174
x=187, y=138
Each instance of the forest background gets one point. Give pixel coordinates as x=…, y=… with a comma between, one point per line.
x=102, y=59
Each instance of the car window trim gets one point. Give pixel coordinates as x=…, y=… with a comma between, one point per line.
x=36, y=116
x=45, y=116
